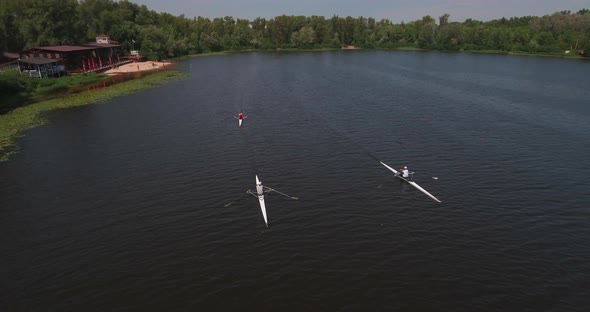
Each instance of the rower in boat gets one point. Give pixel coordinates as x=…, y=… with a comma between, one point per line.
x=261, y=191
x=405, y=172
x=240, y=118
x=407, y=176
x=259, y=187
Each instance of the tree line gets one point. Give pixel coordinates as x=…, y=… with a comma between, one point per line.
x=28, y=23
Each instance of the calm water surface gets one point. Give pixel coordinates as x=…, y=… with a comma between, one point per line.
x=123, y=206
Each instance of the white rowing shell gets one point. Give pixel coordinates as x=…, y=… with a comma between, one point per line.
x=262, y=204
x=412, y=183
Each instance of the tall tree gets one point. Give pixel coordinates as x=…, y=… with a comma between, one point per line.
x=304, y=38
x=49, y=22
x=28, y=23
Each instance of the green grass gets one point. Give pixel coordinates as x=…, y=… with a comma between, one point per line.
x=230, y=52
x=48, y=88
x=184, y=57
x=291, y=50
x=14, y=123
x=288, y=50
x=543, y=54
x=19, y=90
x=408, y=49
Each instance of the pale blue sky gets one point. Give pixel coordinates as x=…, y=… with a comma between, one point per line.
x=395, y=10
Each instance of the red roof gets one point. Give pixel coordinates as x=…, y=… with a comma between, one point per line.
x=64, y=48
x=10, y=55
x=38, y=60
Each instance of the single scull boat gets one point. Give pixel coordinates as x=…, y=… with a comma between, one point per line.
x=262, y=190
x=412, y=183
x=240, y=118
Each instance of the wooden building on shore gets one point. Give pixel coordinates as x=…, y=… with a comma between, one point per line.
x=40, y=67
x=8, y=57
x=50, y=61
x=8, y=61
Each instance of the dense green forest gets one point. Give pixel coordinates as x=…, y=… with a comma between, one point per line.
x=29, y=23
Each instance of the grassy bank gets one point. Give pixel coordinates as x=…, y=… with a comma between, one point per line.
x=19, y=90
x=562, y=55
x=289, y=50
x=408, y=49
x=185, y=57
x=16, y=122
x=294, y=50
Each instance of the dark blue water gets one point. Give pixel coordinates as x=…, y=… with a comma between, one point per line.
x=123, y=206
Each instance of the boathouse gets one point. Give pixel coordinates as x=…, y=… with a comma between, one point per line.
x=8, y=61
x=49, y=61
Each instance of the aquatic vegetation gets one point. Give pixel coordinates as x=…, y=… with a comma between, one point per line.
x=14, y=123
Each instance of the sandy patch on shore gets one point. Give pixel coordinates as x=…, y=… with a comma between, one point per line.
x=137, y=67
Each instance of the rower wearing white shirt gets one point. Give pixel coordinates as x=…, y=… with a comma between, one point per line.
x=259, y=188
x=405, y=172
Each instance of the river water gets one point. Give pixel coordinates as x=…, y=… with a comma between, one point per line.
x=138, y=203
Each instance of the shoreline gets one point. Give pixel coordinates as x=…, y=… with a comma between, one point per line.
x=14, y=123
x=139, y=67
x=295, y=50
x=565, y=56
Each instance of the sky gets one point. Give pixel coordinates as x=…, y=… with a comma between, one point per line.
x=394, y=10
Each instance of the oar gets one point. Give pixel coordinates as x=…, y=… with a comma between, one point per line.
x=252, y=193
x=292, y=197
x=239, y=199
